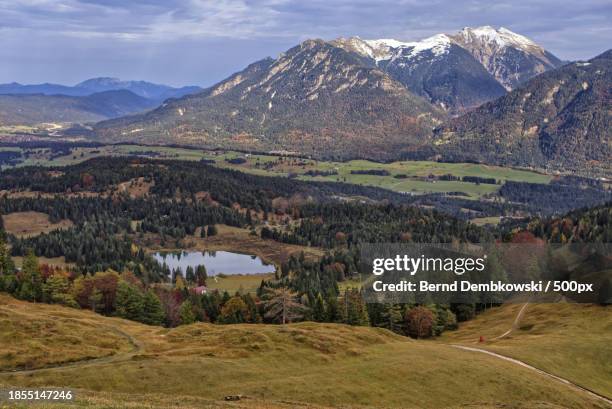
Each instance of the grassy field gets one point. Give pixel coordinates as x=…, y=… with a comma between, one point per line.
x=569, y=340
x=416, y=173
x=242, y=283
x=27, y=224
x=297, y=365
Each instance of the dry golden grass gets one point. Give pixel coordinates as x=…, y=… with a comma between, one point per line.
x=242, y=283
x=36, y=335
x=273, y=366
x=569, y=340
x=27, y=224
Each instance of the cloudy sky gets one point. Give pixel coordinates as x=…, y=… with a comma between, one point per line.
x=199, y=42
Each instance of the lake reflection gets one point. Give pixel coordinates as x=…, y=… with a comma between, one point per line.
x=216, y=262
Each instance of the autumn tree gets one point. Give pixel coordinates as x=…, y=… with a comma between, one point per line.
x=234, y=311
x=419, y=322
x=353, y=310
x=282, y=305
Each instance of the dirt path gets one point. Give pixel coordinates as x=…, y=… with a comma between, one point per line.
x=533, y=368
x=515, y=323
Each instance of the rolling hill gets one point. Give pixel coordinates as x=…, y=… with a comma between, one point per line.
x=569, y=340
x=305, y=365
x=559, y=120
x=36, y=109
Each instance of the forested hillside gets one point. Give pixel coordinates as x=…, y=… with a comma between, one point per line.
x=559, y=120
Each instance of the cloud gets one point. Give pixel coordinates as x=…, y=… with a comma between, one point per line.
x=122, y=36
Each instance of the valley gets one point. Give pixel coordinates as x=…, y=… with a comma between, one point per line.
x=411, y=177
x=169, y=246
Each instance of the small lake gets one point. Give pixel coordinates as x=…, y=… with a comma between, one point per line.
x=216, y=262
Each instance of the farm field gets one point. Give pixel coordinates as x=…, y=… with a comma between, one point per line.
x=272, y=366
x=569, y=340
x=411, y=177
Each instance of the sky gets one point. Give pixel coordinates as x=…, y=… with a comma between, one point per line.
x=200, y=42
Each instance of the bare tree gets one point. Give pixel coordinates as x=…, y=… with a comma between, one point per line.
x=283, y=305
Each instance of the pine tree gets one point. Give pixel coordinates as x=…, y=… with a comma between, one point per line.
x=30, y=279
x=153, y=310
x=6, y=262
x=211, y=230
x=186, y=313
x=201, y=275
x=392, y=318
x=130, y=302
x=190, y=275
x=318, y=310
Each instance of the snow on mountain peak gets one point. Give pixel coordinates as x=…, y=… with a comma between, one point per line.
x=437, y=44
x=501, y=37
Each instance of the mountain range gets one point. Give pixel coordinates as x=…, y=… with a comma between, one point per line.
x=481, y=94
x=89, y=101
x=144, y=89
x=345, y=98
x=32, y=109
x=458, y=71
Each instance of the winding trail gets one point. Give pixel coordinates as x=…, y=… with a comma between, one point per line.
x=515, y=361
x=514, y=324
x=136, y=348
x=119, y=357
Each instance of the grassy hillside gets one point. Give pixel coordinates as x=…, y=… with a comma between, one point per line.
x=277, y=366
x=36, y=336
x=569, y=340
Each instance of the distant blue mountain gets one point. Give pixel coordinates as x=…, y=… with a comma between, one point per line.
x=149, y=90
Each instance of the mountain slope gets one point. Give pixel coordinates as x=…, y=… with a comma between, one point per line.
x=460, y=71
x=314, y=99
x=35, y=109
x=560, y=120
x=511, y=58
x=435, y=68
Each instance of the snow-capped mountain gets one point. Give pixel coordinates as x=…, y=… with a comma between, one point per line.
x=435, y=68
x=511, y=58
x=458, y=71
